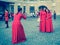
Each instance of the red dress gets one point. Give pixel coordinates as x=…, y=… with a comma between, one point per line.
x=42, y=21
x=6, y=16
x=18, y=34
x=49, y=25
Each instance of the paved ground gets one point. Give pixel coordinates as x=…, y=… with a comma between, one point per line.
x=34, y=37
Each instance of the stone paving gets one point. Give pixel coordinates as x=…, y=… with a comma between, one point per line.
x=34, y=37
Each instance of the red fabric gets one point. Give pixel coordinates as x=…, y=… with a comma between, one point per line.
x=49, y=25
x=42, y=20
x=6, y=16
x=18, y=34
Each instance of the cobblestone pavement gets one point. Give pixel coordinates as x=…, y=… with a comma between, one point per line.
x=34, y=37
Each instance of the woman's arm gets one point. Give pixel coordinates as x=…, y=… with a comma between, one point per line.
x=24, y=16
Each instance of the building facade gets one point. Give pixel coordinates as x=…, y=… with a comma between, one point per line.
x=30, y=6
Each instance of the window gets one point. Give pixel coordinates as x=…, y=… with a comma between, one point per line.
x=18, y=6
x=24, y=9
x=12, y=8
x=32, y=9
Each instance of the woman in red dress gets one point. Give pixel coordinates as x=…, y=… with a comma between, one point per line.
x=49, y=25
x=6, y=18
x=18, y=34
x=42, y=20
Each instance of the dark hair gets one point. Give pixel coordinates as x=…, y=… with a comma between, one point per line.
x=45, y=10
x=48, y=11
x=6, y=9
x=19, y=9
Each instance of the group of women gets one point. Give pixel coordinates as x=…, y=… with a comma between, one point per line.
x=18, y=34
x=45, y=16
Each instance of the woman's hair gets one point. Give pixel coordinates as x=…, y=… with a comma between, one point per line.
x=19, y=10
x=48, y=11
x=45, y=10
x=6, y=9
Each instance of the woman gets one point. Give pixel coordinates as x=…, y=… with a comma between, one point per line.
x=49, y=26
x=42, y=20
x=18, y=34
x=54, y=15
x=6, y=18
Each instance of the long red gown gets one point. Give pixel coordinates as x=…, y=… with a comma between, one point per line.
x=18, y=34
x=42, y=21
x=49, y=25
